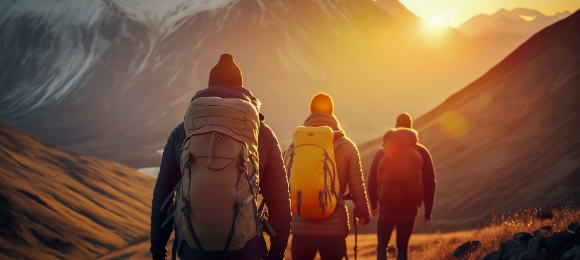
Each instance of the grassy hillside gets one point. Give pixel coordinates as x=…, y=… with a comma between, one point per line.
x=56, y=204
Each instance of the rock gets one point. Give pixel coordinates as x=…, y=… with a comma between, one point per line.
x=536, y=244
x=467, y=249
x=572, y=254
x=537, y=233
x=559, y=243
x=565, y=240
x=492, y=256
x=573, y=226
x=523, y=237
x=511, y=248
x=527, y=255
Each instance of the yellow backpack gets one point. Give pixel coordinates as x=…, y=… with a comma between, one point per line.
x=311, y=169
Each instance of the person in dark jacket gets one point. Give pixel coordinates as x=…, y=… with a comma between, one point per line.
x=226, y=81
x=328, y=236
x=401, y=217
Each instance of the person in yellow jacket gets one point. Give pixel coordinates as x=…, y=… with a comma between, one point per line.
x=326, y=233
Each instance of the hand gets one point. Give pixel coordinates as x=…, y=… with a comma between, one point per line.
x=427, y=222
x=374, y=212
x=363, y=221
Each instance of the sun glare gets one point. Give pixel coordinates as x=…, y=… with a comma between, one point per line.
x=441, y=20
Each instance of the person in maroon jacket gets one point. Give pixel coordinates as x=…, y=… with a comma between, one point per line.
x=226, y=81
x=401, y=217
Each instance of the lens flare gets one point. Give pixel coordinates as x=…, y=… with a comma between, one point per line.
x=453, y=124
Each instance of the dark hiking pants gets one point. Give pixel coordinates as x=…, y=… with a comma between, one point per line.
x=330, y=248
x=386, y=223
x=254, y=249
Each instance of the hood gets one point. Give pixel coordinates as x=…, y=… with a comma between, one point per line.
x=324, y=119
x=230, y=92
x=402, y=136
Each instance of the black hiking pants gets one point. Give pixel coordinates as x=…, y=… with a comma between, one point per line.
x=386, y=223
x=330, y=248
x=255, y=249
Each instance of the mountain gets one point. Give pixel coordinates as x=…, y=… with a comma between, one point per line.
x=519, y=21
x=509, y=140
x=111, y=79
x=496, y=36
x=397, y=9
x=56, y=204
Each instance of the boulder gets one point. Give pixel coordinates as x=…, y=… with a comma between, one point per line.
x=511, y=249
x=527, y=255
x=559, y=243
x=523, y=237
x=572, y=254
x=573, y=226
x=536, y=244
x=467, y=249
x=492, y=256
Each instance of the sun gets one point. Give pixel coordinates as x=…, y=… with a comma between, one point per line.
x=441, y=20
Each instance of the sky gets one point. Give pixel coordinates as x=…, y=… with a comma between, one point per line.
x=455, y=12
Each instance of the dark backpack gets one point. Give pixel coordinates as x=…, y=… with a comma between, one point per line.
x=400, y=176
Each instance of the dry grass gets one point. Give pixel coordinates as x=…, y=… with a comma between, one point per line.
x=435, y=246
x=502, y=229
x=56, y=204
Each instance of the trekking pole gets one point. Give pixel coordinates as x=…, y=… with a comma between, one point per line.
x=355, y=232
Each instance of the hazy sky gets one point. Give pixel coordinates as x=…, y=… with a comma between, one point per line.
x=455, y=12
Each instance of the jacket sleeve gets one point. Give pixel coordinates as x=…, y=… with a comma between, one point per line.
x=373, y=179
x=274, y=187
x=356, y=183
x=429, y=182
x=169, y=175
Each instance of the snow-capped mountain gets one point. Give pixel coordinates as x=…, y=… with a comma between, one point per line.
x=111, y=78
x=519, y=21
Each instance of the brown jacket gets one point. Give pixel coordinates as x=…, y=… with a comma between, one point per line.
x=349, y=172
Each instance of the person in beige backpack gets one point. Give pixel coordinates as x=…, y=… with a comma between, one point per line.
x=215, y=166
x=320, y=216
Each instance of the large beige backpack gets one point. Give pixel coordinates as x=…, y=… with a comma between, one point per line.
x=216, y=206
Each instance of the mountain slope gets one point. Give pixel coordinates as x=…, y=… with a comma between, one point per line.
x=510, y=139
x=56, y=204
x=147, y=64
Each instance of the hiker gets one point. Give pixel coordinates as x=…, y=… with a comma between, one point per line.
x=227, y=155
x=321, y=162
x=400, y=188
